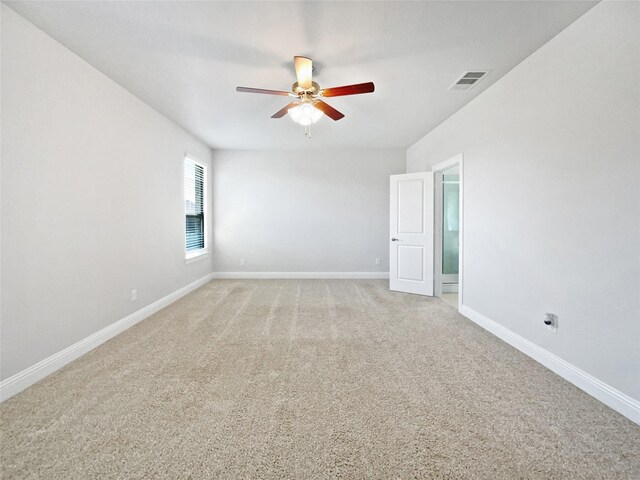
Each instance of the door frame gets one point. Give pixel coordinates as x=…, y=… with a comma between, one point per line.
x=437, y=227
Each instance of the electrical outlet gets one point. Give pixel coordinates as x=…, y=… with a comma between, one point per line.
x=242, y=262
x=134, y=295
x=377, y=261
x=551, y=322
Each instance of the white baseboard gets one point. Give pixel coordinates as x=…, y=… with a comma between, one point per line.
x=302, y=275
x=449, y=288
x=40, y=370
x=607, y=394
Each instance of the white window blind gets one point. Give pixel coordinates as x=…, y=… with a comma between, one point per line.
x=194, y=175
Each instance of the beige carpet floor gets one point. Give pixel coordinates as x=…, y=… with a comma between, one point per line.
x=310, y=379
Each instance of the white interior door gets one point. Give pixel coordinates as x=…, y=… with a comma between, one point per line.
x=411, y=233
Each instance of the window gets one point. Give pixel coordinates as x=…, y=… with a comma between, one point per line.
x=195, y=175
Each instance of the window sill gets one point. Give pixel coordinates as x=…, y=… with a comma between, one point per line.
x=195, y=256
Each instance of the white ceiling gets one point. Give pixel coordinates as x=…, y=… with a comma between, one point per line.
x=186, y=58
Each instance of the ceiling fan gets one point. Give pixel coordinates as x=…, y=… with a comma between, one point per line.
x=309, y=106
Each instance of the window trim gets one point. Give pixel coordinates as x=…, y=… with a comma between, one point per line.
x=195, y=255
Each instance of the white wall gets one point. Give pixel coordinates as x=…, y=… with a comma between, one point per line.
x=552, y=182
x=92, y=199
x=303, y=211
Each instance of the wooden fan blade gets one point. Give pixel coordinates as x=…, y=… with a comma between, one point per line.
x=304, y=71
x=281, y=113
x=348, y=90
x=328, y=110
x=266, y=92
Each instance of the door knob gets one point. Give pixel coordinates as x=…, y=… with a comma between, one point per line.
x=395, y=239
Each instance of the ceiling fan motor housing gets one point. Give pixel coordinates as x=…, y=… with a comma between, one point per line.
x=298, y=90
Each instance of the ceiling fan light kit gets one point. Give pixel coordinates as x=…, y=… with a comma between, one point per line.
x=305, y=114
x=309, y=108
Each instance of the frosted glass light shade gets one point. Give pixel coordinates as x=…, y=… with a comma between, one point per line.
x=305, y=114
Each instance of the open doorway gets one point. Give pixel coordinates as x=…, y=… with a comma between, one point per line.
x=448, y=231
